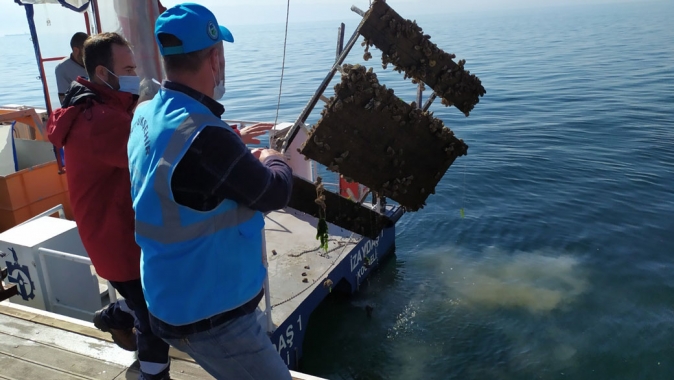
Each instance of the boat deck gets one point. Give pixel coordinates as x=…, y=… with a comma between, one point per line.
x=301, y=274
x=294, y=256
x=35, y=344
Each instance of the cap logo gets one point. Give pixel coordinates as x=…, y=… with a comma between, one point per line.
x=212, y=31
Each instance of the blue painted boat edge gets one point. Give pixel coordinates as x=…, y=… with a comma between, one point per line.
x=365, y=257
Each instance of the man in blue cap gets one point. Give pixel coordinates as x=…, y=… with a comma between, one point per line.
x=199, y=196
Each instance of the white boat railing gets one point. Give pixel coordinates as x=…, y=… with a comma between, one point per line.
x=267, y=290
x=51, y=211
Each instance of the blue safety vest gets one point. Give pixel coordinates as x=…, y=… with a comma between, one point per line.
x=194, y=264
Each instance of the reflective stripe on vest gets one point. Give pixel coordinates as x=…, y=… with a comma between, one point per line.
x=172, y=230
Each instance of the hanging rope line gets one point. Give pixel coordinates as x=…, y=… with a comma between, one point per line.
x=283, y=65
x=462, y=211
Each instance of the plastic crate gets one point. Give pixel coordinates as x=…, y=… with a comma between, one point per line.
x=32, y=191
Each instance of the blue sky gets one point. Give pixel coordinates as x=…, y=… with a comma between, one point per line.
x=229, y=12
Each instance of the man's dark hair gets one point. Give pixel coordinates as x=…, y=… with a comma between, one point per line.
x=98, y=51
x=190, y=62
x=77, y=41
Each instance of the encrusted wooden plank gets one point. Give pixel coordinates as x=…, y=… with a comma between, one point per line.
x=404, y=44
x=339, y=211
x=371, y=136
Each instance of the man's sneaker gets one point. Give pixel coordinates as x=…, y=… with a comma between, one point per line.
x=163, y=375
x=125, y=339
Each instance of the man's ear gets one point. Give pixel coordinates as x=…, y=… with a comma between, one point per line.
x=102, y=73
x=214, y=60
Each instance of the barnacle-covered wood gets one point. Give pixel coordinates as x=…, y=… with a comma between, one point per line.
x=371, y=136
x=339, y=211
x=404, y=45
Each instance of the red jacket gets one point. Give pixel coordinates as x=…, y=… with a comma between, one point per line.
x=94, y=128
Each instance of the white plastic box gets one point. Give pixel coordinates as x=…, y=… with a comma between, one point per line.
x=62, y=284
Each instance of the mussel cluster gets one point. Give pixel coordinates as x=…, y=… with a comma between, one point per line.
x=359, y=91
x=418, y=58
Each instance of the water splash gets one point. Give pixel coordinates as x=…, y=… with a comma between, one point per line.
x=404, y=321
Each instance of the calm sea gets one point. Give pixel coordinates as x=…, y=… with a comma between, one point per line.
x=563, y=267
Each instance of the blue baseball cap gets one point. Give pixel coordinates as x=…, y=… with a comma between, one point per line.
x=194, y=25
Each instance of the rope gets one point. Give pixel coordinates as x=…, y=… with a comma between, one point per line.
x=325, y=254
x=321, y=277
x=462, y=211
x=283, y=66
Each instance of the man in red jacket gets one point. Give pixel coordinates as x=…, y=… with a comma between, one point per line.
x=94, y=126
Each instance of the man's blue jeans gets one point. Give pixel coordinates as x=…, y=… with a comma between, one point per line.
x=237, y=349
x=153, y=352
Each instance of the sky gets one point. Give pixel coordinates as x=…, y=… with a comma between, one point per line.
x=248, y=12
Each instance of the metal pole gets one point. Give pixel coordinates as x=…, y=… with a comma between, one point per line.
x=97, y=17
x=357, y=10
x=52, y=210
x=30, y=12
x=112, y=293
x=65, y=255
x=267, y=294
x=420, y=91
x=340, y=40
x=429, y=102
x=86, y=22
x=290, y=136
